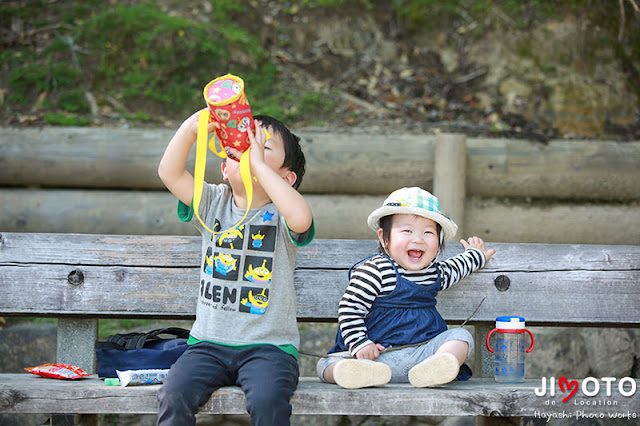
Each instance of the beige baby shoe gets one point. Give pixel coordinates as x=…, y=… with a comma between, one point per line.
x=361, y=373
x=435, y=370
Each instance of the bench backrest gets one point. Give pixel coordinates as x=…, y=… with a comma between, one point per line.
x=101, y=276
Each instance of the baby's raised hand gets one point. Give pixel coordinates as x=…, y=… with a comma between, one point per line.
x=478, y=243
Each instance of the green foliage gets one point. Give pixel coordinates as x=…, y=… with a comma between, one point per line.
x=73, y=101
x=141, y=116
x=11, y=321
x=302, y=4
x=145, y=53
x=155, y=57
x=114, y=326
x=420, y=13
x=61, y=119
x=109, y=419
x=106, y=327
x=312, y=107
x=442, y=14
x=145, y=57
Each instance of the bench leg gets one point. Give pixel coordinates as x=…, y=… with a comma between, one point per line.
x=76, y=343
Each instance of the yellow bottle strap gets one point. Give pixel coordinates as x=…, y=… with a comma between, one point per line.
x=201, y=160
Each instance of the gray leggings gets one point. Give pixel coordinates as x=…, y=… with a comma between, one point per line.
x=402, y=360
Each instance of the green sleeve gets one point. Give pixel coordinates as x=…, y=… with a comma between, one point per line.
x=305, y=238
x=185, y=213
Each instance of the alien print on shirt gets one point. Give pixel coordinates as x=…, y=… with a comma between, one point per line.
x=258, y=270
x=262, y=238
x=238, y=264
x=232, y=238
x=254, y=300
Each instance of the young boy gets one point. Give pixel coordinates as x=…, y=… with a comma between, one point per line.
x=245, y=332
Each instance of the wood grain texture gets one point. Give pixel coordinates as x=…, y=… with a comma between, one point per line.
x=336, y=216
x=155, y=276
x=84, y=276
x=449, y=176
x=341, y=163
x=22, y=393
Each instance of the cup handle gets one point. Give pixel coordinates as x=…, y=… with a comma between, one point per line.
x=532, y=341
x=487, y=340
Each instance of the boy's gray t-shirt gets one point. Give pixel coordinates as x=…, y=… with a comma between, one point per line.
x=246, y=293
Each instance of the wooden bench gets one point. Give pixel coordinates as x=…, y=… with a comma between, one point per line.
x=80, y=279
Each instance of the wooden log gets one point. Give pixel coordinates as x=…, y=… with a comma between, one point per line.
x=340, y=216
x=82, y=157
x=128, y=158
x=99, y=211
x=567, y=170
x=449, y=180
x=152, y=212
x=337, y=163
x=552, y=222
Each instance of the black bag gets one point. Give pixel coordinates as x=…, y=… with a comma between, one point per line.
x=140, y=351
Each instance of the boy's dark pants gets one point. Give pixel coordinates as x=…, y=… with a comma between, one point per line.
x=267, y=375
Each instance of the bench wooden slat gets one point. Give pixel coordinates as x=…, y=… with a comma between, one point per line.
x=80, y=276
x=20, y=393
x=153, y=276
x=184, y=251
x=573, y=297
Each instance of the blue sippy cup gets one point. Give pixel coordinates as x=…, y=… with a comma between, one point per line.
x=509, y=349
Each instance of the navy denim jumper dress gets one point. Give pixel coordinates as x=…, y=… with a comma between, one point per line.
x=405, y=316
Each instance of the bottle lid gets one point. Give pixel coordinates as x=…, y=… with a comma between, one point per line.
x=510, y=323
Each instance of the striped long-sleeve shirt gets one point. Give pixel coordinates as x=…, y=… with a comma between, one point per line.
x=376, y=277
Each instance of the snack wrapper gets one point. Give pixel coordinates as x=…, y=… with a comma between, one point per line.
x=141, y=377
x=58, y=371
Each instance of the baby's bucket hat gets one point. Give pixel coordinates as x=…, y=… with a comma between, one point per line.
x=413, y=201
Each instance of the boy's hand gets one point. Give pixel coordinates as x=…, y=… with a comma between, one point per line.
x=191, y=123
x=478, y=243
x=371, y=351
x=257, y=141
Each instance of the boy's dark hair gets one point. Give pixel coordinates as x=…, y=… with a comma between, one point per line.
x=293, y=156
x=385, y=224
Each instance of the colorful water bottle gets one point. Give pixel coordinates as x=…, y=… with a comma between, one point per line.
x=228, y=105
x=509, y=349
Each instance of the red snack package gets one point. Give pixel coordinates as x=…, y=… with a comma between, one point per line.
x=58, y=371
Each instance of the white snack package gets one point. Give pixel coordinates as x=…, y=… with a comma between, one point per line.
x=141, y=377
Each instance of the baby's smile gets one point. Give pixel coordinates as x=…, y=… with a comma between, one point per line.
x=415, y=255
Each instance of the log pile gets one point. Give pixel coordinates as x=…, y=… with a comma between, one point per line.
x=84, y=180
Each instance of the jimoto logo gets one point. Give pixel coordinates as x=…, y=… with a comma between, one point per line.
x=593, y=398
x=590, y=387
